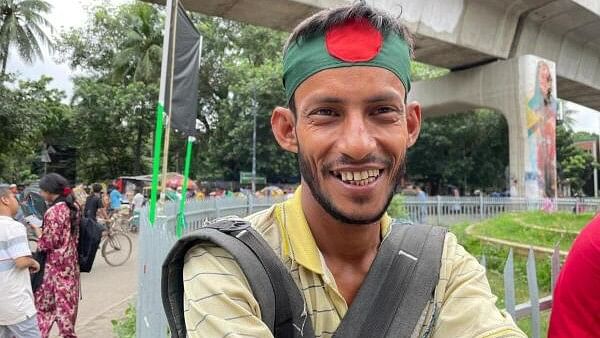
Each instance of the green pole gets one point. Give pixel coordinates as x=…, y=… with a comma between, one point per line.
x=158, y=131
x=186, y=174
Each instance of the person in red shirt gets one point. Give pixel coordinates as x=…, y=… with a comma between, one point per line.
x=576, y=301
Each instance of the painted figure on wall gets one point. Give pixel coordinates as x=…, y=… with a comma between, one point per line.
x=542, y=109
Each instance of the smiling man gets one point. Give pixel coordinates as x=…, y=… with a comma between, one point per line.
x=346, y=77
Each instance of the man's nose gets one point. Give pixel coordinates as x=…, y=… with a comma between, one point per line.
x=357, y=140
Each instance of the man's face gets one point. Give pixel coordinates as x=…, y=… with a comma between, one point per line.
x=10, y=201
x=352, y=131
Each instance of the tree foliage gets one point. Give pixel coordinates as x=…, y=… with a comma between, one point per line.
x=113, y=126
x=21, y=27
x=468, y=150
x=31, y=114
x=575, y=166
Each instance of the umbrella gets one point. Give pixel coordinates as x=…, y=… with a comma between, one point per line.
x=175, y=181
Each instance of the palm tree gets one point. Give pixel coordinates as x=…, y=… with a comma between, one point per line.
x=21, y=27
x=140, y=54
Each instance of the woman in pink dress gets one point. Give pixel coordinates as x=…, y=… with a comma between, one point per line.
x=57, y=297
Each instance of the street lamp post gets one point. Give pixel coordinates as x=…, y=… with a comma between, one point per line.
x=254, y=111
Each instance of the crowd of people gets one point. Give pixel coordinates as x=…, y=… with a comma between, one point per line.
x=39, y=271
x=29, y=308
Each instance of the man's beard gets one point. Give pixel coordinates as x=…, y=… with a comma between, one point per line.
x=326, y=202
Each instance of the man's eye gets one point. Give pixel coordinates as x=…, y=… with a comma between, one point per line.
x=324, y=112
x=383, y=110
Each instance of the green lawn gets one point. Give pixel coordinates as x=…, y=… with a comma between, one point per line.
x=510, y=227
x=513, y=227
x=496, y=258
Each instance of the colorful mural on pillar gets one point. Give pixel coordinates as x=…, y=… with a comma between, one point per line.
x=542, y=109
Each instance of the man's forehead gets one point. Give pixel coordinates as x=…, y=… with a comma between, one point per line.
x=367, y=84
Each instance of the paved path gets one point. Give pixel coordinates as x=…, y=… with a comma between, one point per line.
x=106, y=292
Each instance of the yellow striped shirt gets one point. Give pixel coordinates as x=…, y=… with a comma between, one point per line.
x=219, y=301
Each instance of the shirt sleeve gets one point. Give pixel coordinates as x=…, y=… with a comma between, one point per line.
x=468, y=307
x=52, y=237
x=576, y=301
x=218, y=301
x=18, y=246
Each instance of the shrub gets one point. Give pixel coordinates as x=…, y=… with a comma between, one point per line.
x=125, y=327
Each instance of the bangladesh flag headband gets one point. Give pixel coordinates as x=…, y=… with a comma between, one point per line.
x=353, y=43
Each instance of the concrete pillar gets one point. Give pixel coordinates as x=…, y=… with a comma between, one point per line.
x=514, y=88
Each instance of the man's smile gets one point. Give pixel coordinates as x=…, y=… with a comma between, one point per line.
x=357, y=177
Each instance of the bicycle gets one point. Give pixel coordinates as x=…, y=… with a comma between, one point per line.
x=116, y=246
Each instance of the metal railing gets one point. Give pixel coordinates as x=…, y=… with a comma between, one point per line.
x=448, y=210
x=535, y=305
x=155, y=242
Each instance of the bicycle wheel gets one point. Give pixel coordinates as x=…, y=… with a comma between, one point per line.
x=122, y=225
x=116, y=248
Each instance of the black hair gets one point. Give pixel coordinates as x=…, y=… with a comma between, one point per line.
x=96, y=187
x=56, y=184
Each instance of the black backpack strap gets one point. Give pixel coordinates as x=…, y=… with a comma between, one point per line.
x=282, y=306
x=399, y=284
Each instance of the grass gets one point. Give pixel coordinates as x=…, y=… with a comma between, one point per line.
x=495, y=259
x=513, y=227
x=125, y=327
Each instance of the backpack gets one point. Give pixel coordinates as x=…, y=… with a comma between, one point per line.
x=90, y=235
x=389, y=303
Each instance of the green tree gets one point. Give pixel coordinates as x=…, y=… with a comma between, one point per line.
x=113, y=126
x=31, y=114
x=139, y=55
x=574, y=166
x=241, y=69
x=21, y=27
x=468, y=150
x=93, y=46
x=121, y=48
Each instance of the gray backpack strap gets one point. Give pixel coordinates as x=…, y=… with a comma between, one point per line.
x=399, y=284
x=282, y=306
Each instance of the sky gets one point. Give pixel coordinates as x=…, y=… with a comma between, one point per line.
x=72, y=13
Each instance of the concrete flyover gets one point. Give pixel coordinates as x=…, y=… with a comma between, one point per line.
x=461, y=34
x=513, y=56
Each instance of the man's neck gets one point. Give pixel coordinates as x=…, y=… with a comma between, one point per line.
x=335, y=239
x=6, y=213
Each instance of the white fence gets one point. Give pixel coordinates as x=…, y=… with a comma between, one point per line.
x=447, y=210
x=155, y=242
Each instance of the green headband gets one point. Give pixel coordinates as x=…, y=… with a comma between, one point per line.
x=355, y=43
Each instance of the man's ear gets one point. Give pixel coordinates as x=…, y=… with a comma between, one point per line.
x=413, y=122
x=283, y=124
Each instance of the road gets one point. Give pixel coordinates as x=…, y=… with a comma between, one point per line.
x=106, y=291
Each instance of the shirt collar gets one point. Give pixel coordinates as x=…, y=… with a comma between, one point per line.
x=298, y=242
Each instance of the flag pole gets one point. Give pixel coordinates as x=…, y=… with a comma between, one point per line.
x=171, y=71
x=166, y=68
x=186, y=173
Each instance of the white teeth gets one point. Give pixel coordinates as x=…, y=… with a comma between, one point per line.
x=358, y=177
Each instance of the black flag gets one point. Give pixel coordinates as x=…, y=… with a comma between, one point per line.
x=183, y=103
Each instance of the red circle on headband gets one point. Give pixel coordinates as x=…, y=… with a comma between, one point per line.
x=354, y=41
